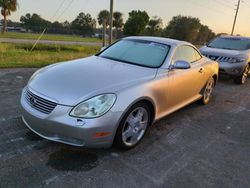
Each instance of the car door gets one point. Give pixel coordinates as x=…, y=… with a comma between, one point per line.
x=184, y=84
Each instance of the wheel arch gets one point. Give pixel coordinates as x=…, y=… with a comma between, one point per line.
x=151, y=105
x=215, y=77
x=146, y=100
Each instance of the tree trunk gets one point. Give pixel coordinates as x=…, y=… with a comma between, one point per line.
x=104, y=33
x=5, y=22
x=116, y=33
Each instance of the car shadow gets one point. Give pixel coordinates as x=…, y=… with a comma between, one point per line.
x=32, y=136
x=72, y=159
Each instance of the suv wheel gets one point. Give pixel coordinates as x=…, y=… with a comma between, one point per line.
x=243, y=77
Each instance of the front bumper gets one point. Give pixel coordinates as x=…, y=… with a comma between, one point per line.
x=232, y=69
x=60, y=127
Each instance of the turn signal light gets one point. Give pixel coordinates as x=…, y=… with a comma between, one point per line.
x=102, y=134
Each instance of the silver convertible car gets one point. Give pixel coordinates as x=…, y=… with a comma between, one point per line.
x=113, y=97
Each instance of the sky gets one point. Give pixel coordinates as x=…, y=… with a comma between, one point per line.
x=217, y=14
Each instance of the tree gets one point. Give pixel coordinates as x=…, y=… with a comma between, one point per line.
x=66, y=24
x=11, y=23
x=136, y=23
x=183, y=28
x=7, y=6
x=83, y=24
x=118, y=22
x=66, y=27
x=205, y=34
x=34, y=22
x=154, y=26
x=55, y=27
x=103, y=19
x=25, y=19
x=188, y=29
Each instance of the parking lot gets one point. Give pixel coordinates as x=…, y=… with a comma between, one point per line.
x=198, y=146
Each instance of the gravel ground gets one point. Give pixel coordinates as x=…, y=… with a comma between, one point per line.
x=198, y=146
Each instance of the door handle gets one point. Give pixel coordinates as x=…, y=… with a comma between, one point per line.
x=201, y=70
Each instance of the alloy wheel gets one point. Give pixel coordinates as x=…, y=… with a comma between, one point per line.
x=208, y=91
x=245, y=74
x=135, y=126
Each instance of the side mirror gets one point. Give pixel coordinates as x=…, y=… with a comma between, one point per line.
x=103, y=48
x=180, y=64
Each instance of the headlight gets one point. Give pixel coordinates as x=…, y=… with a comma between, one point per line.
x=94, y=107
x=237, y=60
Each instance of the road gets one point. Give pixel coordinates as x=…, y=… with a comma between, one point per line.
x=28, y=41
x=198, y=146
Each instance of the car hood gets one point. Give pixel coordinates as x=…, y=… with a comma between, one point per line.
x=75, y=81
x=222, y=52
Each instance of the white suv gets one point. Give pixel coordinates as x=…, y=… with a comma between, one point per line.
x=233, y=55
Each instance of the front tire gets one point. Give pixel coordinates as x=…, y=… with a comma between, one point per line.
x=207, y=93
x=133, y=126
x=243, y=77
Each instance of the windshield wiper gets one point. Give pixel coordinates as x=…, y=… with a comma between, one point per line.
x=124, y=61
x=116, y=59
x=220, y=48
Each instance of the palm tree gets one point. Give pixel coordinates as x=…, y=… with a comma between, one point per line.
x=7, y=6
x=118, y=22
x=103, y=19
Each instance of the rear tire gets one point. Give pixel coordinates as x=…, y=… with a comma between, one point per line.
x=207, y=93
x=243, y=77
x=133, y=126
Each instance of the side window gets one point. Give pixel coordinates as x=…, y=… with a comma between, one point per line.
x=197, y=55
x=186, y=53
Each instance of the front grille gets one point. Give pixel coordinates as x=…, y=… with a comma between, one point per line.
x=219, y=58
x=212, y=57
x=42, y=105
x=224, y=59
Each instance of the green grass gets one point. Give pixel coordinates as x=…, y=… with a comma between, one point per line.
x=52, y=37
x=19, y=55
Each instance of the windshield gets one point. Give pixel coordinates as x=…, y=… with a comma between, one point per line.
x=138, y=52
x=230, y=43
